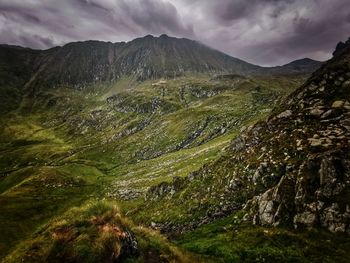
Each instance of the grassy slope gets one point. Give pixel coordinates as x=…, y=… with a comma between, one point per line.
x=230, y=240
x=74, y=146
x=96, y=232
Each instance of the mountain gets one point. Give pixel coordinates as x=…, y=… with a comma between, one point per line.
x=144, y=58
x=305, y=65
x=149, y=57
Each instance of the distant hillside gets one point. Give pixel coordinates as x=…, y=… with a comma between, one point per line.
x=144, y=58
x=305, y=65
x=16, y=67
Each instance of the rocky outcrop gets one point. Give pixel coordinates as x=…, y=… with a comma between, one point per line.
x=315, y=126
x=340, y=47
x=202, y=92
x=165, y=189
x=186, y=142
x=314, y=195
x=142, y=105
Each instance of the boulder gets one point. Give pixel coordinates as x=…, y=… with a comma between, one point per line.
x=338, y=104
x=285, y=114
x=316, y=112
x=307, y=219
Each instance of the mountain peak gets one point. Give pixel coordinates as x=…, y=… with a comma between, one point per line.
x=163, y=36
x=303, y=60
x=148, y=36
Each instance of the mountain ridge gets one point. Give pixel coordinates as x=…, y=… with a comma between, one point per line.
x=149, y=36
x=144, y=58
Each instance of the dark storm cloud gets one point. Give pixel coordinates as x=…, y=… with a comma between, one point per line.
x=273, y=32
x=264, y=32
x=71, y=20
x=229, y=11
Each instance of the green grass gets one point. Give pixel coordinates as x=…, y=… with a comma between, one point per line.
x=230, y=240
x=68, y=146
x=95, y=232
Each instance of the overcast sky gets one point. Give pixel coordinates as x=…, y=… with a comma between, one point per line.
x=264, y=32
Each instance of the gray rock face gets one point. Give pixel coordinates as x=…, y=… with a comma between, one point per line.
x=275, y=205
x=267, y=208
x=311, y=197
x=334, y=219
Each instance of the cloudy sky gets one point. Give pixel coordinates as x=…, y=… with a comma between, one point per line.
x=264, y=32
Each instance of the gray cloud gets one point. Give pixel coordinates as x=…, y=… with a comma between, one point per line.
x=266, y=32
